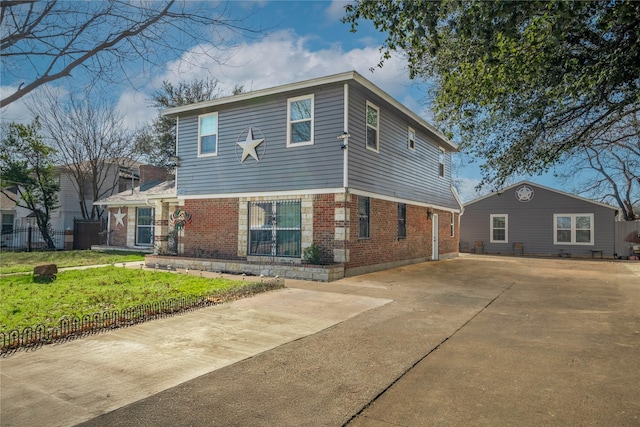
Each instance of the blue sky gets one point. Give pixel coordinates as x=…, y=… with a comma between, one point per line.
x=303, y=40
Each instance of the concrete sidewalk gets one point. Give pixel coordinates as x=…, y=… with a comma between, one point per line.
x=477, y=340
x=64, y=384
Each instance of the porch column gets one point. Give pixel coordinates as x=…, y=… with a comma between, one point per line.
x=161, y=228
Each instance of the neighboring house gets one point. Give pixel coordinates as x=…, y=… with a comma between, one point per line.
x=131, y=222
x=334, y=161
x=116, y=176
x=531, y=219
x=8, y=215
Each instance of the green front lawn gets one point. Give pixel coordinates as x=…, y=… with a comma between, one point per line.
x=78, y=292
x=23, y=262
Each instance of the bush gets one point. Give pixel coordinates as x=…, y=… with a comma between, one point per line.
x=311, y=255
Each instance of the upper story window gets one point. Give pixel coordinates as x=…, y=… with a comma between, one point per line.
x=300, y=121
x=573, y=229
x=499, y=228
x=411, y=139
x=208, y=135
x=441, y=157
x=373, y=127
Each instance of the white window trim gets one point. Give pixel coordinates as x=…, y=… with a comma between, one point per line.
x=366, y=125
x=411, y=130
x=453, y=224
x=442, y=151
x=215, y=153
x=289, y=122
x=138, y=226
x=573, y=229
x=506, y=228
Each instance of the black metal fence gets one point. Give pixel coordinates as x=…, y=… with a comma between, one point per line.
x=30, y=239
x=79, y=326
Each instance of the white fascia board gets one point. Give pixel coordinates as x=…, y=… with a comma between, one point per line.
x=399, y=200
x=175, y=111
x=391, y=100
x=291, y=193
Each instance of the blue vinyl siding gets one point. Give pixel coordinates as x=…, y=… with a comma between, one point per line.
x=296, y=168
x=395, y=171
x=531, y=223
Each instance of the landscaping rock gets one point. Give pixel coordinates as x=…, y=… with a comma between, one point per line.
x=45, y=272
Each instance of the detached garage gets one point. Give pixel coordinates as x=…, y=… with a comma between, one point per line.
x=527, y=218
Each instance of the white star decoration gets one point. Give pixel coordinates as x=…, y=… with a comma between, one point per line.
x=524, y=193
x=119, y=217
x=249, y=146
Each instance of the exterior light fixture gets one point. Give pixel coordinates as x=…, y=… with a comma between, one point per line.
x=343, y=136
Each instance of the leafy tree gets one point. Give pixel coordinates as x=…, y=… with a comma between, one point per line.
x=43, y=41
x=525, y=85
x=26, y=165
x=93, y=145
x=158, y=141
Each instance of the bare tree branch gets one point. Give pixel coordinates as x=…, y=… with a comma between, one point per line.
x=92, y=144
x=47, y=41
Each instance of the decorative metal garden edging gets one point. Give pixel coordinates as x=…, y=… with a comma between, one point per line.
x=88, y=324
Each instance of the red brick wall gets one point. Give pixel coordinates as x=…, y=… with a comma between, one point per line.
x=118, y=235
x=324, y=225
x=383, y=246
x=213, y=231
x=151, y=173
x=446, y=243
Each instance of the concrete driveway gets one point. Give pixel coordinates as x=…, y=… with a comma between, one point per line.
x=477, y=340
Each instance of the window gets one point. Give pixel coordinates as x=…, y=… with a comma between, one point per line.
x=274, y=228
x=499, y=228
x=144, y=226
x=208, y=135
x=411, y=139
x=573, y=229
x=363, y=217
x=453, y=226
x=373, y=127
x=402, y=221
x=441, y=156
x=300, y=121
x=7, y=223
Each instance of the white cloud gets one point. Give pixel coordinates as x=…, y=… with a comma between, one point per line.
x=282, y=58
x=466, y=188
x=17, y=111
x=135, y=109
x=335, y=11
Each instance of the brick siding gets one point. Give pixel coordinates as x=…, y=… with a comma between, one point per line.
x=118, y=236
x=213, y=231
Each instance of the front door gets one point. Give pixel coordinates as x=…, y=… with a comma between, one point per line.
x=434, y=237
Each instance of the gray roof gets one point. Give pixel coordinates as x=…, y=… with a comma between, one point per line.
x=139, y=195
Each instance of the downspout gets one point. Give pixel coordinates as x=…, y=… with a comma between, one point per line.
x=345, y=175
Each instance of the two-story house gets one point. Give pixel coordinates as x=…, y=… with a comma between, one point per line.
x=334, y=161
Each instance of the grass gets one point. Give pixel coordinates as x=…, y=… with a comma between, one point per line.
x=23, y=262
x=78, y=292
